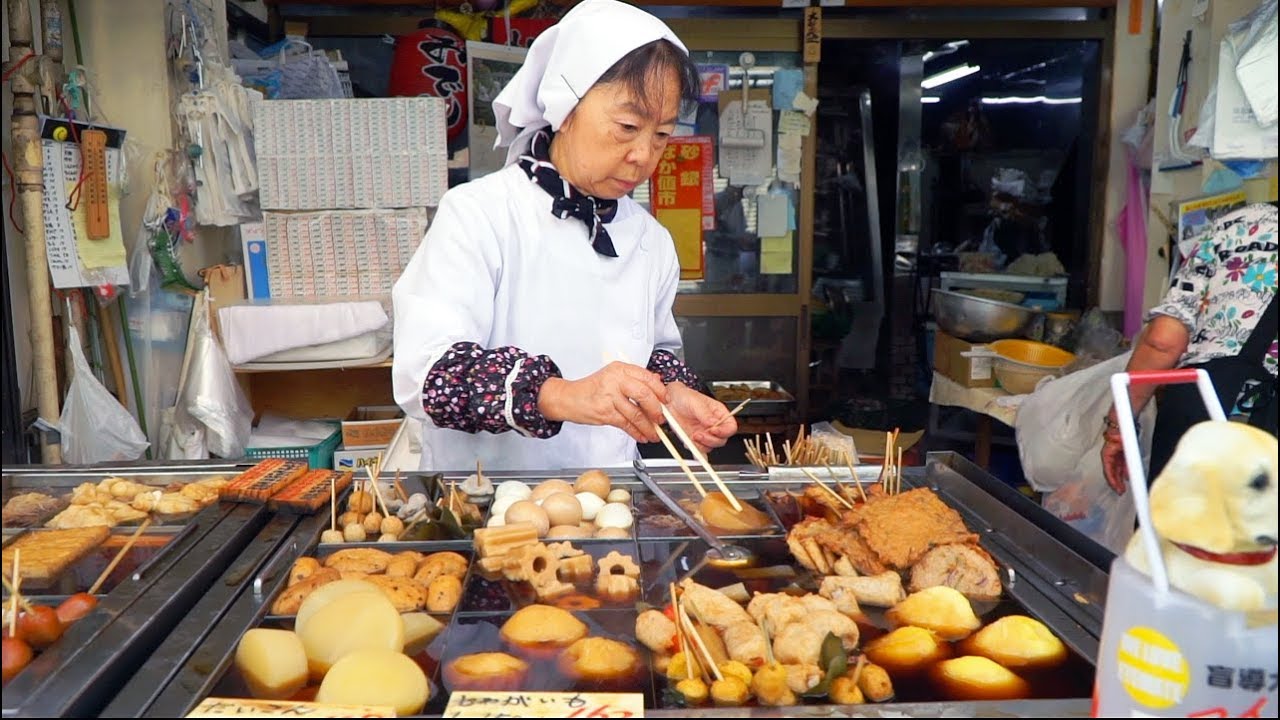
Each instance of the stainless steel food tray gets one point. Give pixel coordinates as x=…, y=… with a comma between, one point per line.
x=756, y=407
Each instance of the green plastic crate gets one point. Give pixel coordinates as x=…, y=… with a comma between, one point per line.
x=319, y=455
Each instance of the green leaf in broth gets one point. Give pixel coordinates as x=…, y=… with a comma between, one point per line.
x=834, y=663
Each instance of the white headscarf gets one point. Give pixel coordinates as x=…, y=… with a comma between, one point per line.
x=565, y=61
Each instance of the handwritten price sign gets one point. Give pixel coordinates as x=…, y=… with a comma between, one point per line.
x=241, y=708
x=544, y=705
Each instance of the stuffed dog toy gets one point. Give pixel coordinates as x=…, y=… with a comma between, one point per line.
x=1214, y=509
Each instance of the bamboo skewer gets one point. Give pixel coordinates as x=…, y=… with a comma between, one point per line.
x=404, y=496
x=689, y=655
x=731, y=413
x=675, y=453
x=371, y=471
x=854, y=474
x=697, y=640
x=702, y=459
x=333, y=504
x=768, y=642
x=826, y=487
x=26, y=605
x=97, y=584
x=17, y=583
x=899, y=469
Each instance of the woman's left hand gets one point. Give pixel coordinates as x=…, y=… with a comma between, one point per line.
x=706, y=419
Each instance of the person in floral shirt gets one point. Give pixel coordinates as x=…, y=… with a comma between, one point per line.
x=1211, y=318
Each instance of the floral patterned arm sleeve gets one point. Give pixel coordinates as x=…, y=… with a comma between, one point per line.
x=473, y=389
x=1186, y=296
x=671, y=369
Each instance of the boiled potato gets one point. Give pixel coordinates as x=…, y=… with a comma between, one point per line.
x=318, y=599
x=1016, y=642
x=907, y=651
x=272, y=662
x=376, y=677
x=419, y=630
x=976, y=678
x=941, y=609
x=359, y=621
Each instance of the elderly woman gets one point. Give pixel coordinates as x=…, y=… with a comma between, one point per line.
x=1219, y=315
x=519, y=318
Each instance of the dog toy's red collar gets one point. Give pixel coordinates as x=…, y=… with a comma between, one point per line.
x=1260, y=557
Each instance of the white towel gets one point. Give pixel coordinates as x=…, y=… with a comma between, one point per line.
x=564, y=62
x=253, y=331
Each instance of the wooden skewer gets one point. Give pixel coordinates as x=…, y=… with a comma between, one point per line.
x=17, y=583
x=856, y=483
x=899, y=469
x=702, y=459
x=697, y=640
x=26, y=605
x=689, y=655
x=768, y=644
x=857, y=668
x=333, y=503
x=675, y=453
x=373, y=487
x=404, y=496
x=826, y=487
x=731, y=413
x=97, y=584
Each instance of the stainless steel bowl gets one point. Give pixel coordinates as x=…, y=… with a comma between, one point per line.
x=980, y=320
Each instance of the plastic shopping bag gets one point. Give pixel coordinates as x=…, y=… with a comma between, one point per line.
x=1164, y=652
x=95, y=427
x=1059, y=429
x=211, y=394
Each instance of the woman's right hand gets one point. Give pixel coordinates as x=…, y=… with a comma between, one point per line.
x=625, y=396
x=1113, y=463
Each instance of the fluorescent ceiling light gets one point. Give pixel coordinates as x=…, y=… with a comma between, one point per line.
x=1015, y=100
x=946, y=49
x=930, y=99
x=948, y=75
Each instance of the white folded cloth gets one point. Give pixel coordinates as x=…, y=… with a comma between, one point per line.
x=253, y=331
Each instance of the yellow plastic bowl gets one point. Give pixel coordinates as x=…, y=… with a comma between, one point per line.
x=1028, y=352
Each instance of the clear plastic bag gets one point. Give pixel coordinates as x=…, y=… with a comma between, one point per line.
x=211, y=394
x=95, y=427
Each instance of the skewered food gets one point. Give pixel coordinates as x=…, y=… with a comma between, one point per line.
x=16, y=656
x=47, y=553
x=76, y=607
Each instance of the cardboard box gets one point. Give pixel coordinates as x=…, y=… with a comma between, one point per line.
x=371, y=426
x=356, y=460
x=968, y=372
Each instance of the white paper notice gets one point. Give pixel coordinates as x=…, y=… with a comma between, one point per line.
x=771, y=215
x=805, y=104
x=747, y=165
x=794, y=123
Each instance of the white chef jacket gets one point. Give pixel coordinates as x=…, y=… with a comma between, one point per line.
x=498, y=269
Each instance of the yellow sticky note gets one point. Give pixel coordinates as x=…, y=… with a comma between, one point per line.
x=685, y=226
x=107, y=252
x=776, y=255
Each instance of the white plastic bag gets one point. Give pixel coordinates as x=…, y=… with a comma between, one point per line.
x=95, y=427
x=211, y=394
x=1059, y=429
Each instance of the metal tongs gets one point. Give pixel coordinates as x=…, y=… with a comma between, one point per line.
x=719, y=554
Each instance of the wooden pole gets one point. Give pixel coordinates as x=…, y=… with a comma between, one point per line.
x=27, y=166
x=113, y=353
